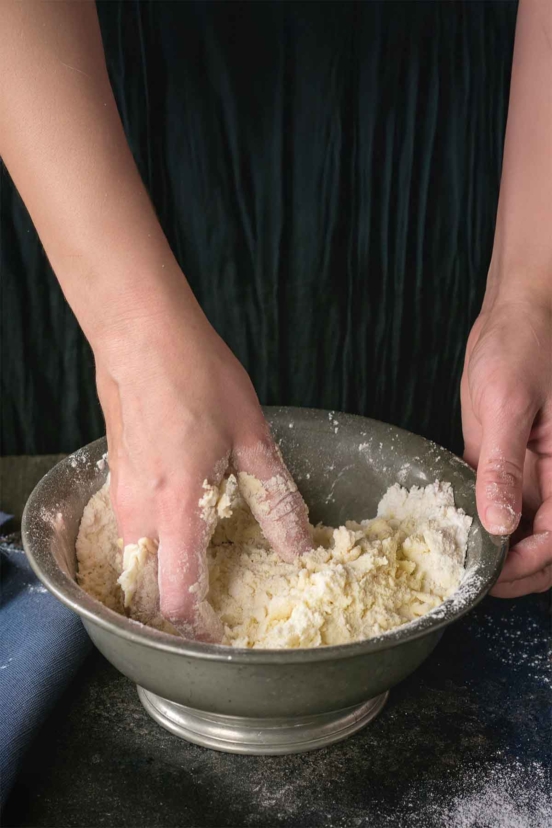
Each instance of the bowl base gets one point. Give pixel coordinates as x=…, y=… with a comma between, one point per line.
x=239, y=734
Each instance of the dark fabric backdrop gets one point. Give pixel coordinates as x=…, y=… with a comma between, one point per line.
x=327, y=174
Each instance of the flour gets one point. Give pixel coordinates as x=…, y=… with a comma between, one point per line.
x=359, y=580
x=216, y=502
x=99, y=553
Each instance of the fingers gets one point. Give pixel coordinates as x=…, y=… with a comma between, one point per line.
x=271, y=493
x=506, y=427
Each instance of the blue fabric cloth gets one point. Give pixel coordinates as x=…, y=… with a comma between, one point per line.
x=42, y=644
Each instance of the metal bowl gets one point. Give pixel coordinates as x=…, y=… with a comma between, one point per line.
x=270, y=701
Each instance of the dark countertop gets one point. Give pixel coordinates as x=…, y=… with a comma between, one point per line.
x=465, y=742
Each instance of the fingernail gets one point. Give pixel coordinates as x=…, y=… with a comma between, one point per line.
x=499, y=519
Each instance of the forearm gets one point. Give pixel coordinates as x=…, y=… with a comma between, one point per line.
x=522, y=255
x=63, y=143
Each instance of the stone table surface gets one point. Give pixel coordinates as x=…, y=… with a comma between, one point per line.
x=465, y=742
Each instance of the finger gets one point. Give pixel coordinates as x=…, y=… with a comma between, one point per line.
x=506, y=427
x=134, y=519
x=539, y=582
x=528, y=557
x=183, y=575
x=184, y=533
x=534, y=552
x=524, y=530
x=158, y=580
x=533, y=494
x=270, y=491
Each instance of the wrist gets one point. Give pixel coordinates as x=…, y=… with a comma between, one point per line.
x=158, y=316
x=512, y=283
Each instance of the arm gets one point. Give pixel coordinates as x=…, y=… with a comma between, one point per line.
x=178, y=406
x=522, y=254
x=63, y=142
x=507, y=382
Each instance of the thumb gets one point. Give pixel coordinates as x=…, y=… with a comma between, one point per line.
x=506, y=427
x=270, y=492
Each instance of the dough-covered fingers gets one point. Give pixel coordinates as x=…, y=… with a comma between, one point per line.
x=272, y=495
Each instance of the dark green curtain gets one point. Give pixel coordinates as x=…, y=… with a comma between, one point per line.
x=327, y=174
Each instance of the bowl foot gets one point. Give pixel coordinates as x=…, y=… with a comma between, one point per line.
x=238, y=734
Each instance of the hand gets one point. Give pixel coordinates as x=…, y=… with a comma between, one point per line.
x=178, y=408
x=506, y=394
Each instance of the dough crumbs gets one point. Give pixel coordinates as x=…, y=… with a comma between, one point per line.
x=360, y=580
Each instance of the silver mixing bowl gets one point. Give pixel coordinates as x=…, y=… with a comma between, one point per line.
x=270, y=701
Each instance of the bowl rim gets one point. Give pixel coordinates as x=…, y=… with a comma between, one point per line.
x=93, y=612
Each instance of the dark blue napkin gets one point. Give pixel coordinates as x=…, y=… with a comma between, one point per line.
x=42, y=644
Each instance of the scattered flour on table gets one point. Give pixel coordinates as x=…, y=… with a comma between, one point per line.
x=505, y=792
x=360, y=580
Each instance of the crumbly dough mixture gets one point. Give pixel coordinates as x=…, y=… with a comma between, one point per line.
x=360, y=580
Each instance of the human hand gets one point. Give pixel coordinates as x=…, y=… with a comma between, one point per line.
x=178, y=408
x=506, y=394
